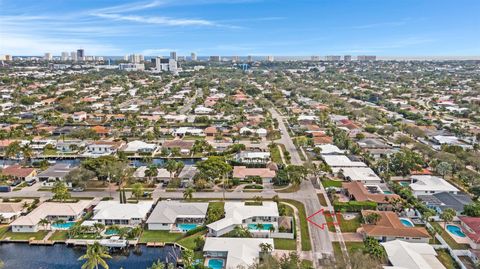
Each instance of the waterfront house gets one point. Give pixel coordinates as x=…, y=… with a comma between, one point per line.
x=390, y=227
x=115, y=213
x=55, y=173
x=402, y=254
x=10, y=211
x=177, y=216
x=252, y=157
x=70, y=146
x=364, y=175
x=51, y=211
x=139, y=147
x=102, y=148
x=243, y=214
x=233, y=252
x=162, y=175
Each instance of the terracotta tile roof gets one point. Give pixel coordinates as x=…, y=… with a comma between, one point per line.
x=183, y=144
x=243, y=171
x=210, y=130
x=320, y=140
x=17, y=171
x=360, y=193
x=390, y=225
x=100, y=130
x=474, y=224
x=6, y=142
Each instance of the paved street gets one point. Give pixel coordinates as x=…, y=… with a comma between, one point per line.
x=286, y=139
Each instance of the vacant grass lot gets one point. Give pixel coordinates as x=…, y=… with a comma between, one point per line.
x=285, y=244
x=305, y=235
x=159, y=236
x=59, y=236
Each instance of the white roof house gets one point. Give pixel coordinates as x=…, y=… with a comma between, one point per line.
x=50, y=210
x=329, y=149
x=112, y=212
x=140, y=146
x=240, y=252
x=403, y=254
x=188, y=131
x=167, y=213
x=259, y=131
x=363, y=174
x=237, y=212
x=340, y=161
x=162, y=173
x=429, y=185
x=203, y=110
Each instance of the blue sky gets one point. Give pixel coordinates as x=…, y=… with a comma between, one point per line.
x=242, y=27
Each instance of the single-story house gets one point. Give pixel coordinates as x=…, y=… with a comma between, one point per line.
x=242, y=172
x=402, y=254
x=389, y=227
x=70, y=145
x=139, y=147
x=429, y=185
x=183, y=145
x=11, y=211
x=336, y=162
x=187, y=173
x=162, y=175
x=55, y=173
x=176, y=216
x=114, y=213
x=471, y=228
x=362, y=174
x=357, y=191
x=101, y=148
x=19, y=172
x=236, y=252
x=241, y=214
x=329, y=149
x=443, y=200
x=252, y=157
x=51, y=211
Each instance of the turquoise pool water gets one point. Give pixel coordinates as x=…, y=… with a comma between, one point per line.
x=253, y=226
x=387, y=192
x=187, y=226
x=454, y=229
x=111, y=232
x=64, y=226
x=405, y=184
x=215, y=263
x=407, y=223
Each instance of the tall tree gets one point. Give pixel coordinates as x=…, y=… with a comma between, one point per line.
x=95, y=256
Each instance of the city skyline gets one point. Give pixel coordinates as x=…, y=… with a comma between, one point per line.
x=242, y=27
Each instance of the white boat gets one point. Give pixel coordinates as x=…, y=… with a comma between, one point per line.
x=114, y=242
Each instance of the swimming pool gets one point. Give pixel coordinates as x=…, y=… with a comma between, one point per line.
x=407, y=222
x=215, y=263
x=185, y=227
x=63, y=226
x=404, y=184
x=387, y=192
x=266, y=226
x=454, y=229
x=111, y=232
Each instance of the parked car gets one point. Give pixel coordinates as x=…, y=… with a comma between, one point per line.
x=78, y=189
x=5, y=189
x=31, y=182
x=16, y=182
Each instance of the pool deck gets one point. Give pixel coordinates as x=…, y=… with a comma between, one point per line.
x=458, y=239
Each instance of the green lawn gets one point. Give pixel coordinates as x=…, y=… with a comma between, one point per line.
x=450, y=241
x=354, y=246
x=3, y=230
x=275, y=153
x=446, y=259
x=59, y=236
x=305, y=236
x=285, y=244
x=332, y=183
x=322, y=200
x=159, y=236
x=350, y=226
x=25, y=236
x=189, y=241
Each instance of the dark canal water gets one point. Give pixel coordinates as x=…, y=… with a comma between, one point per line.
x=59, y=256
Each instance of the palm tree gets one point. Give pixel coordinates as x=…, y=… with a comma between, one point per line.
x=266, y=247
x=98, y=227
x=27, y=153
x=13, y=149
x=44, y=222
x=372, y=218
x=95, y=256
x=171, y=167
x=447, y=216
x=271, y=229
x=152, y=171
x=188, y=193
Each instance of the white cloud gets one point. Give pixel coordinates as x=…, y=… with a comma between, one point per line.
x=156, y=20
